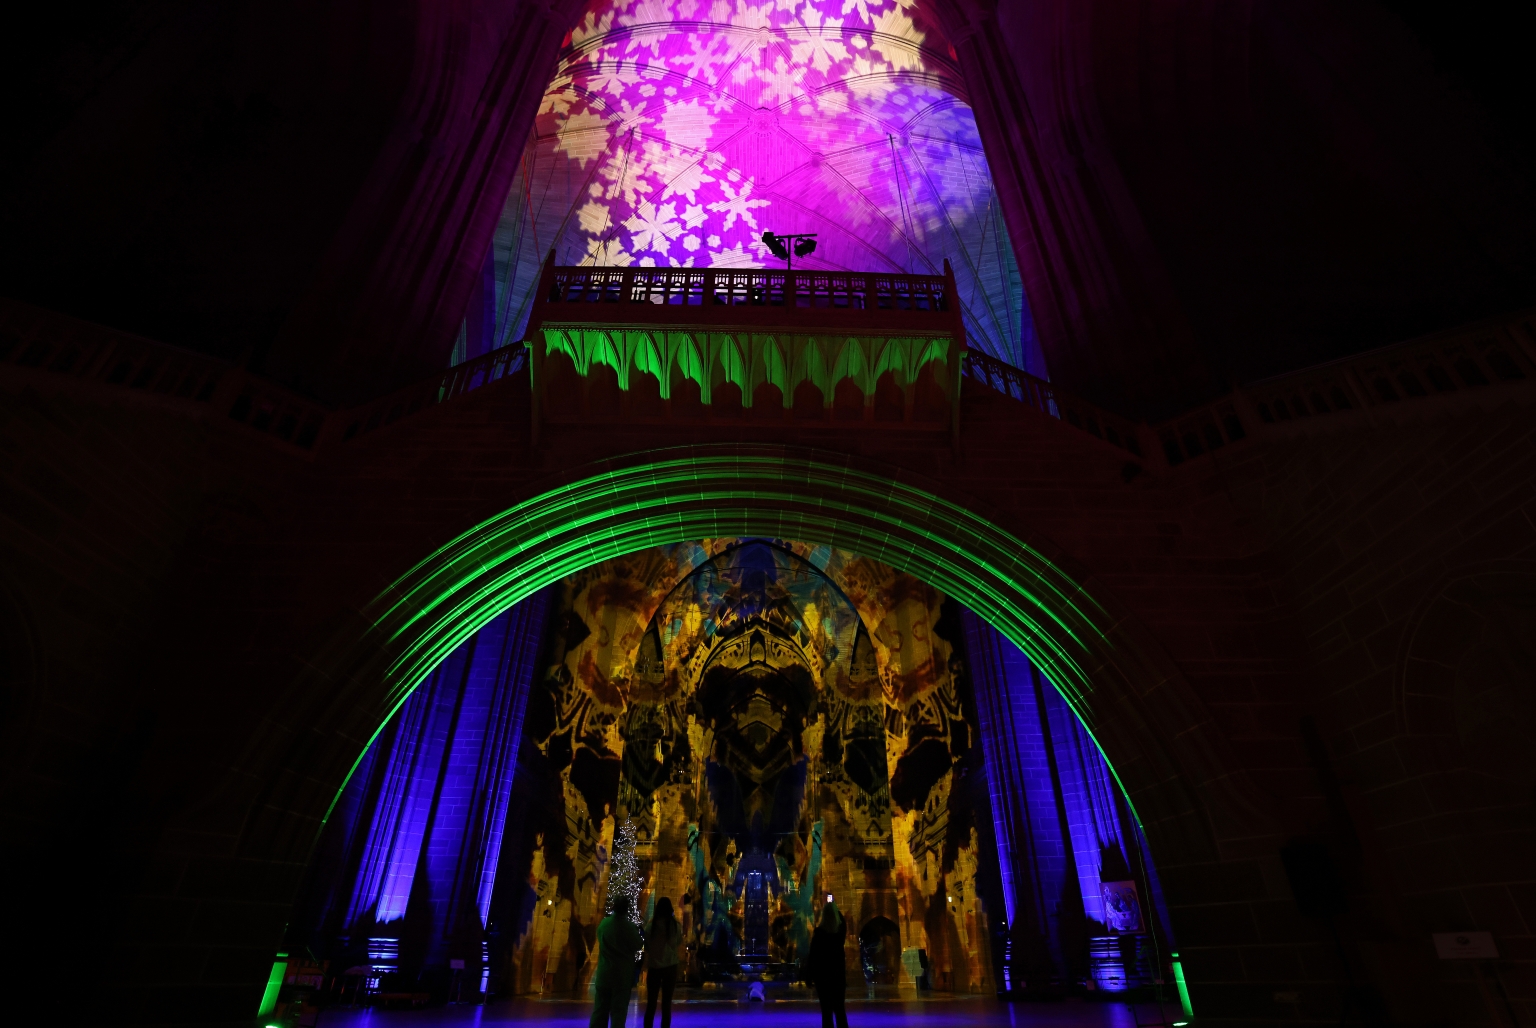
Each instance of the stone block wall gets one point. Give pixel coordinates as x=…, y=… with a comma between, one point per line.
x=1348, y=611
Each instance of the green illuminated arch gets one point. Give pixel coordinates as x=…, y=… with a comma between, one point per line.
x=680, y=495
x=673, y=496
x=1157, y=736
x=1155, y=733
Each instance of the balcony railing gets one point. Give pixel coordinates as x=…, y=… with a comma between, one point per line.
x=744, y=327
x=1459, y=363
x=1046, y=398
x=686, y=287
x=1493, y=355
x=456, y=381
x=38, y=339
x=801, y=300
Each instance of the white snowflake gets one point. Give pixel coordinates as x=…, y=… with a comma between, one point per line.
x=896, y=39
x=862, y=6
x=592, y=217
x=612, y=77
x=687, y=182
x=628, y=176
x=737, y=205
x=823, y=45
x=591, y=26
x=778, y=84
x=701, y=58
x=653, y=228
x=631, y=116
x=650, y=38
x=648, y=12
x=582, y=136
x=558, y=101
x=686, y=124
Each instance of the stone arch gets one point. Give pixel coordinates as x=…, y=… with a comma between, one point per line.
x=645, y=354
x=852, y=363
x=729, y=365
x=1124, y=688
x=688, y=363
x=1163, y=746
x=768, y=367
x=879, y=941
x=811, y=366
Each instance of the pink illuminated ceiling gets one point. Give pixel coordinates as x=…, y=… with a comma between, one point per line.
x=675, y=132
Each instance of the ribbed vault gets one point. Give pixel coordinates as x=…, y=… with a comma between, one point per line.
x=675, y=132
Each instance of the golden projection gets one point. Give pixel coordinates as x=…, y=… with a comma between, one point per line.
x=779, y=722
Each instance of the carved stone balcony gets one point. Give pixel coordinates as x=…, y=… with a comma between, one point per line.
x=664, y=343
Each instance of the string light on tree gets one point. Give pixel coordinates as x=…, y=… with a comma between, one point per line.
x=624, y=871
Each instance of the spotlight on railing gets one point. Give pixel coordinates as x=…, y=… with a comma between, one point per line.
x=803, y=243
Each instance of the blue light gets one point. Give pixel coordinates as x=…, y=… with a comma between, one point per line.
x=1062, y=826
x=424, y=814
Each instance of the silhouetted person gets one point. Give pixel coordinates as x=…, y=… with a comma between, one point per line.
x=662, y=941
x=825, y=966
x=618, y=940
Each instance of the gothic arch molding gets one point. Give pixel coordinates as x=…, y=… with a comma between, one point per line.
x=1148, y=721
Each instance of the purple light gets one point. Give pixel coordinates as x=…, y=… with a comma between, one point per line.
x=429, y=805
x=1061, y=824
x=675, y=132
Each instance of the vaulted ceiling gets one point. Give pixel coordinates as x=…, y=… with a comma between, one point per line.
x=675, y=132
x=1195, y=195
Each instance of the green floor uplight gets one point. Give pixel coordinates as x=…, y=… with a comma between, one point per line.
x=1178, y=978
x=274, y=986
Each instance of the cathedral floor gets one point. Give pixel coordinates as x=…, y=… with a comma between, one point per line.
x=936, y=1013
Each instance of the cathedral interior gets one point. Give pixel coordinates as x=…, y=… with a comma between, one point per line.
x=1055, y=479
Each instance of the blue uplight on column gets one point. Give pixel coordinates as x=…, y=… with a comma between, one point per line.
x=1062, y=826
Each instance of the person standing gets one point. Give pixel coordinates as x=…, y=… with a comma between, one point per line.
x=662, y=941
x=826, y=967
x=618, y=940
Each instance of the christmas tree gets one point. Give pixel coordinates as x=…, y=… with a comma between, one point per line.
x=624, y=871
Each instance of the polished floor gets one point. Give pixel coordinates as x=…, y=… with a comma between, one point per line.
x=926, y=1014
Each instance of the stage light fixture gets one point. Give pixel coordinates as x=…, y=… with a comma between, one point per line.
x=781, y=245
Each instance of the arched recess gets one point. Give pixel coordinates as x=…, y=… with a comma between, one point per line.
x=1151, y=727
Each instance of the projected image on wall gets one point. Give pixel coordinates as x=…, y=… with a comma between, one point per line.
x=775, y=722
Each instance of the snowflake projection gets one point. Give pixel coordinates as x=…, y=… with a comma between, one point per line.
x=674, y=132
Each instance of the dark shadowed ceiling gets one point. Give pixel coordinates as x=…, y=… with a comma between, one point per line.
x=1222, y=191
